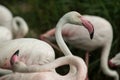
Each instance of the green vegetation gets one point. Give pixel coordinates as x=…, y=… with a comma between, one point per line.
x=42, y=15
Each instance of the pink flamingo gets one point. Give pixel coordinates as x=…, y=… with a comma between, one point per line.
x=78, y=37
x=43, y=72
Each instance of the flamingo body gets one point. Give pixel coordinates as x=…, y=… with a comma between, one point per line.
x=32, y=52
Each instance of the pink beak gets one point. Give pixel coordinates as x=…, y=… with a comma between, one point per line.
x=88, y=25
x=14, y=57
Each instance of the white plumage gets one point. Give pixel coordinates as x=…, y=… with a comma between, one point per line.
x=32, y=52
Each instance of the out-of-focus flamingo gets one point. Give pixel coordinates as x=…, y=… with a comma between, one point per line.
x=115, y=61
x=79, y=37
x=17, y=25
x=32, y=52
x=43, y=72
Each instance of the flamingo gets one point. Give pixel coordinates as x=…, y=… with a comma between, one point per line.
x=115, y=61
x=43, y=72
x=17, y=24
x=33, y=52
x=78, y=37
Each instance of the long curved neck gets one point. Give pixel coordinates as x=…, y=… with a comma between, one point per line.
x=73, y=60
x=21, y=29
x=59, y=38
x=104, y=62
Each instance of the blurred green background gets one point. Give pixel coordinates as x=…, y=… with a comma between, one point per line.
x=42, y=15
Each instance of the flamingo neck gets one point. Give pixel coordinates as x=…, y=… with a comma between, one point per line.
x=21, y=29
x=104, y=62
x=59, y=38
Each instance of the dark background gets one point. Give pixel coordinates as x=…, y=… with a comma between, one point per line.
x=42, y=15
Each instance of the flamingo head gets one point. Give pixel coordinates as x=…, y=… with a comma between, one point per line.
x=42, y=37
x=111, y=64
x=76, y=18
x=49, y=35
x=115, y=61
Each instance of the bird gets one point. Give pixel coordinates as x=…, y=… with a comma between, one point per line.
x=115, y=61
x=17, y=24
x=32, y=52
x=79, y=38
x=43, y=72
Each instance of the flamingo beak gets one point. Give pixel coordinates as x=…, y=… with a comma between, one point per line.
x=14, y=57
x=88, y=25
x=42, y=37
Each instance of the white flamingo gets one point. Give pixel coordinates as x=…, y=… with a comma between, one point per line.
x=78, y=37
x=32, y=52
x=17, y=25
x=43, y=72
x=115, y=61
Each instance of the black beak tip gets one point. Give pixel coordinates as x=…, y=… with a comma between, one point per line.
x=16, y=53
x=91, y=35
